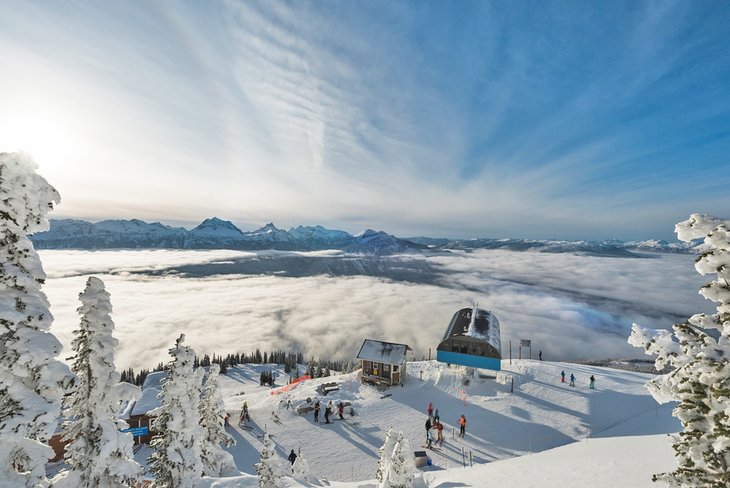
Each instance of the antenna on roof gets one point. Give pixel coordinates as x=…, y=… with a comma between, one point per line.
x=473, y=324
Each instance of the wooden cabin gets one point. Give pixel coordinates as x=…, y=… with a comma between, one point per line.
x=383, y=363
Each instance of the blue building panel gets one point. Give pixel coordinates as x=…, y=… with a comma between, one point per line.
x=494, y=364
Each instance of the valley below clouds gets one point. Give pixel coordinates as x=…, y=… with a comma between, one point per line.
x=325, y=303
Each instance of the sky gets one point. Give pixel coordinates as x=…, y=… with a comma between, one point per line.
x=569, y=306
x=456, y=119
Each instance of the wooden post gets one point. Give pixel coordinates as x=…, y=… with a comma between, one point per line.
x=471, y=459
x=463, y=456
x=510, y=351
x=512, y=389
x=520, y=352
x=429, y=353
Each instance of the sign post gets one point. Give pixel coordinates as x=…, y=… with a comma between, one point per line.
x=525, y=343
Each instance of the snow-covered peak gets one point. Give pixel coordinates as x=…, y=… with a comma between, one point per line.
x=318, y=233
x=218, y=227
x=135, y=226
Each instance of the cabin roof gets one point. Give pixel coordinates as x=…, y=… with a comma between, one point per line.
x=383, y=352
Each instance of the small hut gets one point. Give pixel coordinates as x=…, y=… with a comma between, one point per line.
x=383, y=363
x=472, y=339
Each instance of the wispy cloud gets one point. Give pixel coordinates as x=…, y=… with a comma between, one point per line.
x=487, y=119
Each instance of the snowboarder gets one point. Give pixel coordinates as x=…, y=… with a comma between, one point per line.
x=540, y=355
x=572, y=379
x=593, y=383
x=429, y=409
x=341, y=410
x=562, y=376
x=462, y=426
x=440, y=433
x=292, y=457
x=316, y=412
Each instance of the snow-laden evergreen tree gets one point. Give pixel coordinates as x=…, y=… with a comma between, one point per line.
x=216, y=461
x=99, y=455
x=386, y=453
x=402, y=467
x=176, y=460
x=700, y=362
x=300, y=469
x=268, y=468
x=31, y=378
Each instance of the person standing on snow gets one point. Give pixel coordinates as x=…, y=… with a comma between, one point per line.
x=292, y=457
x=572, y=379
x=540, y=355
x=429, y=439
x=428, y=427
x=593, y=383
x=439, y=433
x=341, y=410
x=436, y=415
x=562, y=376
x=462, y=426
x=316, y=412
x=429, y=409
x=328, y=412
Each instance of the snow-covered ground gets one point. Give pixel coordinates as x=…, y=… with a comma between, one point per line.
x=606, y=433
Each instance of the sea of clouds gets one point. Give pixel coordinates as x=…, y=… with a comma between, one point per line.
x=570, y=306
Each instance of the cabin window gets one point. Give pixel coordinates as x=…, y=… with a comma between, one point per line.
x=386, y=368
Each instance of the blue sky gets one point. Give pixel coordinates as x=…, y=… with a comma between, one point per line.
x=459, y=119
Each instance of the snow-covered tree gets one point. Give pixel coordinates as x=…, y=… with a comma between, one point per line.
x=300, y=469
x=176, y=460
x=402, y=467
x=99, y=455
x=386, y=453
x=31, y=378
x=216, y=461
x=268, y=468
x=700, y=362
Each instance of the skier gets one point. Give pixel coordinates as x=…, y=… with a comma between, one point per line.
x=428, y=425
x=244, y=412
x=440, y=433
x=593, y=383
x=436, y=415
x=429, y=409
x=316, y=412
x=341, y=410
x=562, y=376
x=540, y=355
x=572, y=379
x=292, y=457
x=462, y=426
x=429, y=439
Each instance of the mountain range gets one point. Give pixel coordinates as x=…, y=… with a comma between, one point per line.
x=215, y=233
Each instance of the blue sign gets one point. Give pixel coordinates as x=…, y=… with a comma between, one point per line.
x=138, y=431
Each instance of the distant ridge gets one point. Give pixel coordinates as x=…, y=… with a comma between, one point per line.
x=216, y=233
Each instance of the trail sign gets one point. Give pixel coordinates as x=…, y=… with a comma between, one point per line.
x=138, y=431
x=525, y=343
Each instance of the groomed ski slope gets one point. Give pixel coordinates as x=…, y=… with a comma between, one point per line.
x=540, y=415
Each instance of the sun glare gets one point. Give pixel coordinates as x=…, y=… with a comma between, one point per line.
x=46, y=136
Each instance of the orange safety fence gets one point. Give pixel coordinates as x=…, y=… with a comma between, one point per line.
x=291, y=385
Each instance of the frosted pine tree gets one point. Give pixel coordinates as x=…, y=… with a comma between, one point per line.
x=385, y=452
x=268, y=468
x=402, y=467
x=700, y=358
x=216, y=461
x=176, y=460
x=99, y=455
x=31, y=378
x=300, y=469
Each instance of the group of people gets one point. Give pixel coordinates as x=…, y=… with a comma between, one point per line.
x=592, y=384
x=328, y=411
x=433, y=424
